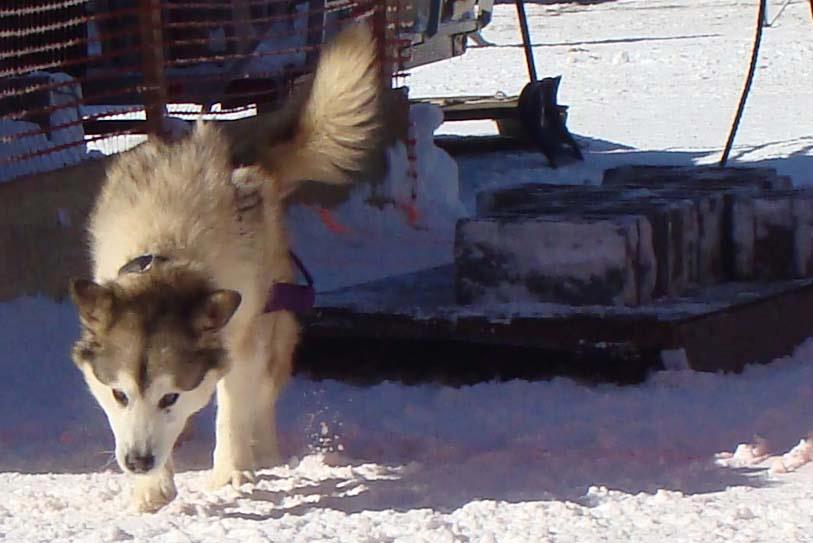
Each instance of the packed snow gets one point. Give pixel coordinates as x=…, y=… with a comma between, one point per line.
x=682, y=457
x=25, y=139
x=688, y=456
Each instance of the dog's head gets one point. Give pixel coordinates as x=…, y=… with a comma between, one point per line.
x=151, y=352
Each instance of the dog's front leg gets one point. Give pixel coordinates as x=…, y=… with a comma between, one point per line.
x=153, y=491
x=233, y=456
x=276, y=355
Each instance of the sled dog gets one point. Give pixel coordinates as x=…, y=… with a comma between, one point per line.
x=187, y=241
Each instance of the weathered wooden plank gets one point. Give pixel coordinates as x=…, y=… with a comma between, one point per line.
x=757, y=331
x=409, y=328
x=369, y=347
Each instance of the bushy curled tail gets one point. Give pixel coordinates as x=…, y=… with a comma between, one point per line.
x=330, y=130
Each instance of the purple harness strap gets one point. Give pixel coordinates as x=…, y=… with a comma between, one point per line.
x=290, y=296
x=282, y=297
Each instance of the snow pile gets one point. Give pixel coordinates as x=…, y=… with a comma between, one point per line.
x=66, y=127
x=436, y=184
x=21, y=138
x=363, y=242
x=795, y=458
x=748, y=455
x=745, y=455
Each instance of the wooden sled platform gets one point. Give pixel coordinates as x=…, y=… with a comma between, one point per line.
x=408, y=328
x=469, y=108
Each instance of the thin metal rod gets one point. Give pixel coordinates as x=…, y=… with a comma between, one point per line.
x=748, y=80
x=778, y=13
x=526, y=40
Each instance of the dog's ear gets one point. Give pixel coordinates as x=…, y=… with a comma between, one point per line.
x=94, y=302
x=215, y=310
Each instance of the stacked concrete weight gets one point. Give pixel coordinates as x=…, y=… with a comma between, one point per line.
x=647, y=233
x=567, y=259
x=772, y=235
x=762, y=230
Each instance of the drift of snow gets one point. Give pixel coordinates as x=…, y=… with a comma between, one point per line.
x=65, y=130
x=436, y=185
x=351, y=251
x=512, y=461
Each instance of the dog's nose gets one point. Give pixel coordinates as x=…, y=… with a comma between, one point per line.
x=139, y=463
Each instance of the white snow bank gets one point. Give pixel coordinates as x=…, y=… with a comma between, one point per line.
x=553, y=460
x=64, y=133
x=367, y=242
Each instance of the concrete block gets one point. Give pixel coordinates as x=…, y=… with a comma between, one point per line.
x=772, y=235
x=710, y=207
x=673, y=222
x=675, y=241
x=562, y=259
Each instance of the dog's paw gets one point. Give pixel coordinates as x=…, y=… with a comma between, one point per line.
x=234, y=477
x=151, y=495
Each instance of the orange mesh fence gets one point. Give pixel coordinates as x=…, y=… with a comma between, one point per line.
x=87, y=77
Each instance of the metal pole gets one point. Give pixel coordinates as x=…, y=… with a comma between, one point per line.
x=748, y=80
x=526, y=40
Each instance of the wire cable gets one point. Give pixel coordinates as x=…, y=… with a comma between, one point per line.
x=748, y=80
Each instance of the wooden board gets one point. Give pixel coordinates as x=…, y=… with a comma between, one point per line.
x=408, y=328
x=467, y=108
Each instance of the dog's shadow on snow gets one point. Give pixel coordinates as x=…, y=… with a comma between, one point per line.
x=447, y=487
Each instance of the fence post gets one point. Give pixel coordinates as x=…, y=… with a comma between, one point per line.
x=154, y=89
x=241, y=15
x=380, y=23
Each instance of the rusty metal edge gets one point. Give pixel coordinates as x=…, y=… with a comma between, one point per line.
x=616, y=347
x=758, y=331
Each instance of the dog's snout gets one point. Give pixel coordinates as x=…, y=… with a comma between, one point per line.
x=139, y=463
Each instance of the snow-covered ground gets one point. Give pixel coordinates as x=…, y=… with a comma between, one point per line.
x=514, y=461
x=648, y=81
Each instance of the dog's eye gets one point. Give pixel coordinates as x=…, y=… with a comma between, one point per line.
x=120, y=397
x=168, y=400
